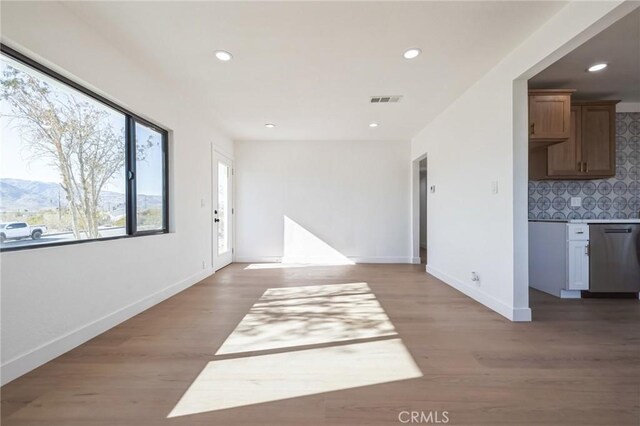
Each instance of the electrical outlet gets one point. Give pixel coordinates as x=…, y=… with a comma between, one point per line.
x=475, y=278
x=204, y=264
x=432, y=189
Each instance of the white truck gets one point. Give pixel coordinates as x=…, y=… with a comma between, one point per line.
x=19, y=230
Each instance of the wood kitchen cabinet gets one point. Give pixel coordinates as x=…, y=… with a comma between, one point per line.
x=549, y=116
x=563, y=159
x=598, y=138
x=588, y=152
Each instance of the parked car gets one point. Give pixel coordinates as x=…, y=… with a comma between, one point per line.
x=18, y=230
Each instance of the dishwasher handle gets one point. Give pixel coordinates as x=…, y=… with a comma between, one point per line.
x=617, y=231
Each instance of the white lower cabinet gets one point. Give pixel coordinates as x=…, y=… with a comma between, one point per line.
x=578, y=265
x=559, y=258
x=577, y=256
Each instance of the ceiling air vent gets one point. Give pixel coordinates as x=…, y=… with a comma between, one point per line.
x=385, y=99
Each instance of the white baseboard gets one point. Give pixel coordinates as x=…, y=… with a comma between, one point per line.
x=384, y=259
x=258, y=259
x=509, y=312
x=31, y=360
x=313, y=260
x=521, y=315
x=570, y=294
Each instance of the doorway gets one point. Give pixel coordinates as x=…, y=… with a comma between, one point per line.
x=419, y=189
x=423, y=211
x=222, y=235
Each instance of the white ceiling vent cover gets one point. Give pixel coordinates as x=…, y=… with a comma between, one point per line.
x=385, y=99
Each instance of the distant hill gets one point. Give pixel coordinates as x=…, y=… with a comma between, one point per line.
x=19, y=194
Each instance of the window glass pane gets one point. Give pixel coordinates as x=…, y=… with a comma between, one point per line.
x=223, y=208
x=149, y=181
x=62, y=161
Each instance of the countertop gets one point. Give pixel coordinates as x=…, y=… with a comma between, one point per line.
x=587, y=221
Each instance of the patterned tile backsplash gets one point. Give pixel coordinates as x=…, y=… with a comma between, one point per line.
x=614, y=198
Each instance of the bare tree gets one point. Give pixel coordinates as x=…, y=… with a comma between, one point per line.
x=74, y=134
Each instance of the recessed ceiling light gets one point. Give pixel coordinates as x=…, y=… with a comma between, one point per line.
x=223, y=55
x=269, y=125
x=412, y=53
x=374, y=124
x=597, y=67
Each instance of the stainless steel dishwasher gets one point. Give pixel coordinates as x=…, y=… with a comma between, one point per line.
x=614, y=258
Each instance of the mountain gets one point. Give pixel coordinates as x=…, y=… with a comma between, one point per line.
x=19, y=194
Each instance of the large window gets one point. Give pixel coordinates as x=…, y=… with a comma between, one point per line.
x=73, y=165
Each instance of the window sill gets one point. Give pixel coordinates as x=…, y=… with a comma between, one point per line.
x=35, y=246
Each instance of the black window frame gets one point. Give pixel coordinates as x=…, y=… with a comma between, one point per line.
x=130, y=161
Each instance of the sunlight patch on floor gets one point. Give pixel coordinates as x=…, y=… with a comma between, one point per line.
x=289, y=317
x=314, y=291
x=342, y=319
x=238, y=382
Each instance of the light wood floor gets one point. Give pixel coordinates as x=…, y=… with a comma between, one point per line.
x=578, y=363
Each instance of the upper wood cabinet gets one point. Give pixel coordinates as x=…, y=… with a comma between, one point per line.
x=549, y=116
x=598, y=139
x=564, y=159
x=588, y=152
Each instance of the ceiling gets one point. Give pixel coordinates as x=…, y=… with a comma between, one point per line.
x=310, y=67
x=619, y=46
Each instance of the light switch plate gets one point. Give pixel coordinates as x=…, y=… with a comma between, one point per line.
x=576, y=201
x=432, y=189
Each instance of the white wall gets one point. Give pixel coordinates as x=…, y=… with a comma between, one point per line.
x=628, y=107
x=56, y=298
x=354, y=196
x=481, y=138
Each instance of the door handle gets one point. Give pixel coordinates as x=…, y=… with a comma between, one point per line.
x=216, y=220
x=533, y=128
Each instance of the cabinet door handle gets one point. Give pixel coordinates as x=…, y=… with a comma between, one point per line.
x=586, y=167
x=533, y=128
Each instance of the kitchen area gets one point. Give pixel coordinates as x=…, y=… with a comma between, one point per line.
x=584, y=169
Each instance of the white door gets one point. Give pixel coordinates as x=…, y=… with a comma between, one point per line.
x=223, y=211
x=578, y=265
